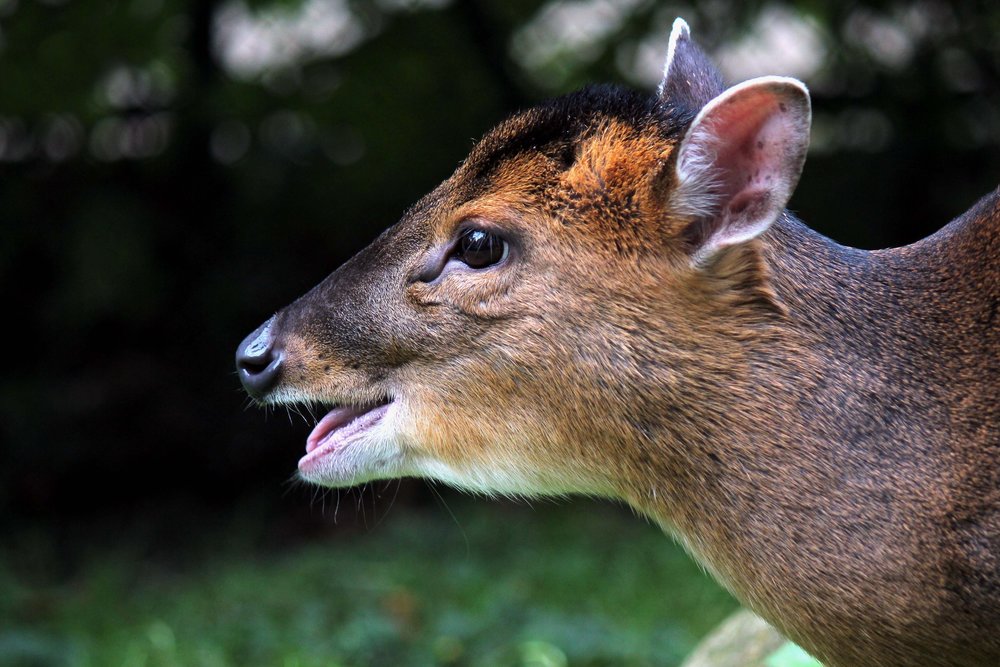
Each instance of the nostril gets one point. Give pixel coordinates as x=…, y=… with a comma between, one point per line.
x=258, y=361
x=253, y=366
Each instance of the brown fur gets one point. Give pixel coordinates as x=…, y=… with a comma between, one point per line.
x=819, y=425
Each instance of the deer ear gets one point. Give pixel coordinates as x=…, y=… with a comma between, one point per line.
x=739, y=162
x=690, y=79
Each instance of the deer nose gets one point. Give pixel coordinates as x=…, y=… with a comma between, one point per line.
x=258, y=361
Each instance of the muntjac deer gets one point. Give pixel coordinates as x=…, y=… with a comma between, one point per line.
x=608, y=297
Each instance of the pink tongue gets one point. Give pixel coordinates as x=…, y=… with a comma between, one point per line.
x=328, y=425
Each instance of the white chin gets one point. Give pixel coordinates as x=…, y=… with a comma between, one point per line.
x=365, y=455
x=366, y=460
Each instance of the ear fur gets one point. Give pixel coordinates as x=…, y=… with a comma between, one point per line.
x=739, y=162
x=690, y=79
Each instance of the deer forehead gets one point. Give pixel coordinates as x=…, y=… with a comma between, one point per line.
x=618, y=161
x=600, y=184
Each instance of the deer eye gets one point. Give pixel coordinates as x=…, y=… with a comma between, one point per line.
x=478, y=248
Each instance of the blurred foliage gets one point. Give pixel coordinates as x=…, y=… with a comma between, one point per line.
x=498, y=586
x=174, y=171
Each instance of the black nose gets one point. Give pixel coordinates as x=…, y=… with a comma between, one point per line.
x=258, y=361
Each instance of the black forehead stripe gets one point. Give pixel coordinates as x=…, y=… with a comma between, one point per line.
x=564, y=120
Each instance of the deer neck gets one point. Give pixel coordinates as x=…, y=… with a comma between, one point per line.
x=804, y=475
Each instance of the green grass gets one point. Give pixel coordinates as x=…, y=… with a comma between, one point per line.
x=577, y=583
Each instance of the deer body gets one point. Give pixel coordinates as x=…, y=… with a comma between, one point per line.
x=608, y=298
x=859, y=459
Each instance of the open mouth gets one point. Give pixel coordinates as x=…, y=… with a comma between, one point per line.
x=341, y=425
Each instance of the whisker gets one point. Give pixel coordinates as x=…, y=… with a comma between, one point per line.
x=392, y=501
x=437, y=494
x=297, y=408
x=361, y=507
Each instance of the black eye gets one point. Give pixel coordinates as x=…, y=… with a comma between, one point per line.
x=478, y=248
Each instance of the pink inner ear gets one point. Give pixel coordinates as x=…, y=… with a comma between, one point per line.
x=749, y=204
x=742, y=158
x=750, y=143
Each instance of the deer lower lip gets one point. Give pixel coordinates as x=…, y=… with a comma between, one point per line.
x=341, y=423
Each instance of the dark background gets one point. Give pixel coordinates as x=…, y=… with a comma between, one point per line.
x=173, y=172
